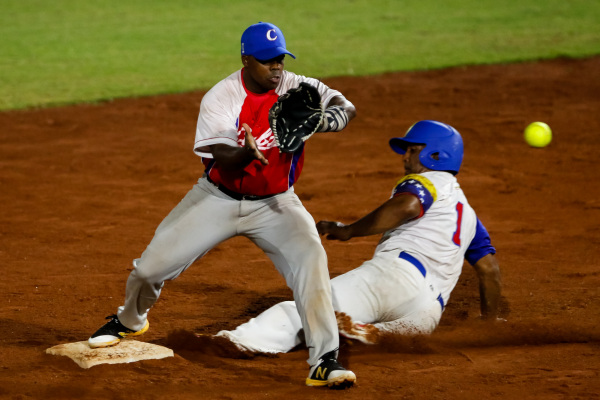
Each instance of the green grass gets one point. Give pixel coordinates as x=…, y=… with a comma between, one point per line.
x=68, y=51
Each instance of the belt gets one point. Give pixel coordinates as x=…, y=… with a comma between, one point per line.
x=236, y=195
x=405, y=256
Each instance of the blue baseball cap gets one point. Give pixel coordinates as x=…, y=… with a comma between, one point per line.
x=264, y=41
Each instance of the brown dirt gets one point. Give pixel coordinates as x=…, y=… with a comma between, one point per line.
x=82, y=189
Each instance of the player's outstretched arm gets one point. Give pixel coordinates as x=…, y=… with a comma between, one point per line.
x=488, y=272
x=234, y=158
x=391, y=214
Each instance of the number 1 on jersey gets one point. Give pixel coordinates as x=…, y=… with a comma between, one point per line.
x=459, y=213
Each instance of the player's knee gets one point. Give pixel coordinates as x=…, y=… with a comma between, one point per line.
x=315, y=255
x=315, y=304
x=429, y=322
x=307, y=268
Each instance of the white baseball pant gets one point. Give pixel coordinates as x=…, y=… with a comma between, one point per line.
x=279, y=225
x=386, y=291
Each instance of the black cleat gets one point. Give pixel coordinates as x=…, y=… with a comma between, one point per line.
x=112, y=332
x=328, y=372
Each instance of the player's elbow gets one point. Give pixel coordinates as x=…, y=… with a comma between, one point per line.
x=350, y=111
x=345, y=104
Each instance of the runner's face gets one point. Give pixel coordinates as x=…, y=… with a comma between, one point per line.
x=412, y=164
x=260, y=76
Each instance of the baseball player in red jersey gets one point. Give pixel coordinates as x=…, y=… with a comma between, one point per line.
x=428, y=228
x=247, y=190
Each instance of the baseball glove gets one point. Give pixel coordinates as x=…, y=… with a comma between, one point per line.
x=295, y=117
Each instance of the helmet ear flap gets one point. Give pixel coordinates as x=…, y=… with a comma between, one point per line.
x=442, y=156
x=436, y=157
x=429, y=157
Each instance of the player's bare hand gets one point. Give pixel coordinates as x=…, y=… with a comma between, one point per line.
x=252, y=147
x=334, y=230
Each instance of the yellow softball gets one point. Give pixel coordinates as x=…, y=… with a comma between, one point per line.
x=538, y=134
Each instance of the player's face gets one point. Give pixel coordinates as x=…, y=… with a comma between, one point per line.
x=412, y=164
x=260, y=76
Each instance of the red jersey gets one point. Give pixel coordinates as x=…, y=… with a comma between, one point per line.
x=223, y=111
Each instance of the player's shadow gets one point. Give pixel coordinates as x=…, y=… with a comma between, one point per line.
x=206, y=349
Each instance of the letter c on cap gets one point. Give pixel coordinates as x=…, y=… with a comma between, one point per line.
x=269, y=35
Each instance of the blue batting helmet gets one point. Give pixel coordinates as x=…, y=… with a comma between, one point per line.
x=443, y=149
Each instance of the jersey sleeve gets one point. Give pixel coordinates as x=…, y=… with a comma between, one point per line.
x=480, y=246
x=419, y=186
x=292, y=80
x=218, y=118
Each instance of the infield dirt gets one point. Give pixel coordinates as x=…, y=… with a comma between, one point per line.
x=82, y=189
